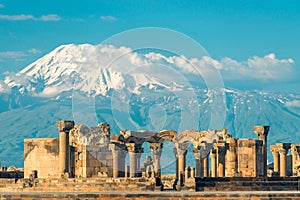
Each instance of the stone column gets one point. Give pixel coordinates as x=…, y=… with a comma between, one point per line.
x=156, y=149
x=118, y=152
x=213, y=163
x=64, y=149
x=138, y=163
x=231, y=159
x=133, y=150
x=199, y=163
x=221, y=161
x=193, y=172
x=176, y=156
x=295, y=150
x=115, y=164
x=187, y=172
x=283, y=150
x=205, y=166
x=262, y=133
x=181, y=153
x=221, y=152
x=122, y=167
x=275, y=153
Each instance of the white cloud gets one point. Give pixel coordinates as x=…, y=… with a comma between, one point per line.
x=108, y=18
x=267, y=68
x=1, y=5
x=261, y=69
x=23, y=17
x=12, y=54
x=17, y=54
x=51, y=17
x=33, y=51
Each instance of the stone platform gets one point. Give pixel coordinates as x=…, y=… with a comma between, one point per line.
x=241, y=195
x=248, y=184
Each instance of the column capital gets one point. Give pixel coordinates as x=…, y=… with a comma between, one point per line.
x=181, y=148
x=156, y=148
x=283, y=147
x=64, y=125
x=274, y=149
x=295, y=148
x=261, y=130
x=134, y=148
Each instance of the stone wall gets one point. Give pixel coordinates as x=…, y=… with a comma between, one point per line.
x=90, y=161
x=41, y=154
x=250, y=158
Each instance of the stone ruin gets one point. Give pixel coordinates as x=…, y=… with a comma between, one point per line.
x=93, y=152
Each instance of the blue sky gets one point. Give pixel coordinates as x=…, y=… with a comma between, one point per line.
x=236, y=29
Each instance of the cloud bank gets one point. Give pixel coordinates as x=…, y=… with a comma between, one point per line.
x=263, y=69
x=17, y=54
x=23, y=17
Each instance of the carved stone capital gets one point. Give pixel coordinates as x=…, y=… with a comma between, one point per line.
x=64, y=125
x=182, y=148
x=156, y=148
x=295, y=149
x=134, y=148
x=283, y=147
x=261, y=130
x=274, y=149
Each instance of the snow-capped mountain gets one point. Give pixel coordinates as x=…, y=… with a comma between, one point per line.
x=130, y=90
x=94, y=70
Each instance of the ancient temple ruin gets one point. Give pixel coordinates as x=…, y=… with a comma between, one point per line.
x=93, y=152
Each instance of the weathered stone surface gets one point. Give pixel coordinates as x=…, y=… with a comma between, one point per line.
x=41, y=155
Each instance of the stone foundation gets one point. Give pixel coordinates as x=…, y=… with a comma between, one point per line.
x=154, y=196
x=248, y=184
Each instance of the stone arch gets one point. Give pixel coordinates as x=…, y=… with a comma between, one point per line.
x=166, y=135
x=185, y=136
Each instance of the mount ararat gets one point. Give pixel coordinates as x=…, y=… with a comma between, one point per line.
x=132, y=90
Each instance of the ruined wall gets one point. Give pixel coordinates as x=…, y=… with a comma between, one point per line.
x=91, y=160
x=42, y=155
x=250, y=158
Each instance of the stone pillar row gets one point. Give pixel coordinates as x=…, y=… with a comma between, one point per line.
x=279, y=152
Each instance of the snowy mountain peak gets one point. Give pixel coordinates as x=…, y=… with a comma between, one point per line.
x=96, y=69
